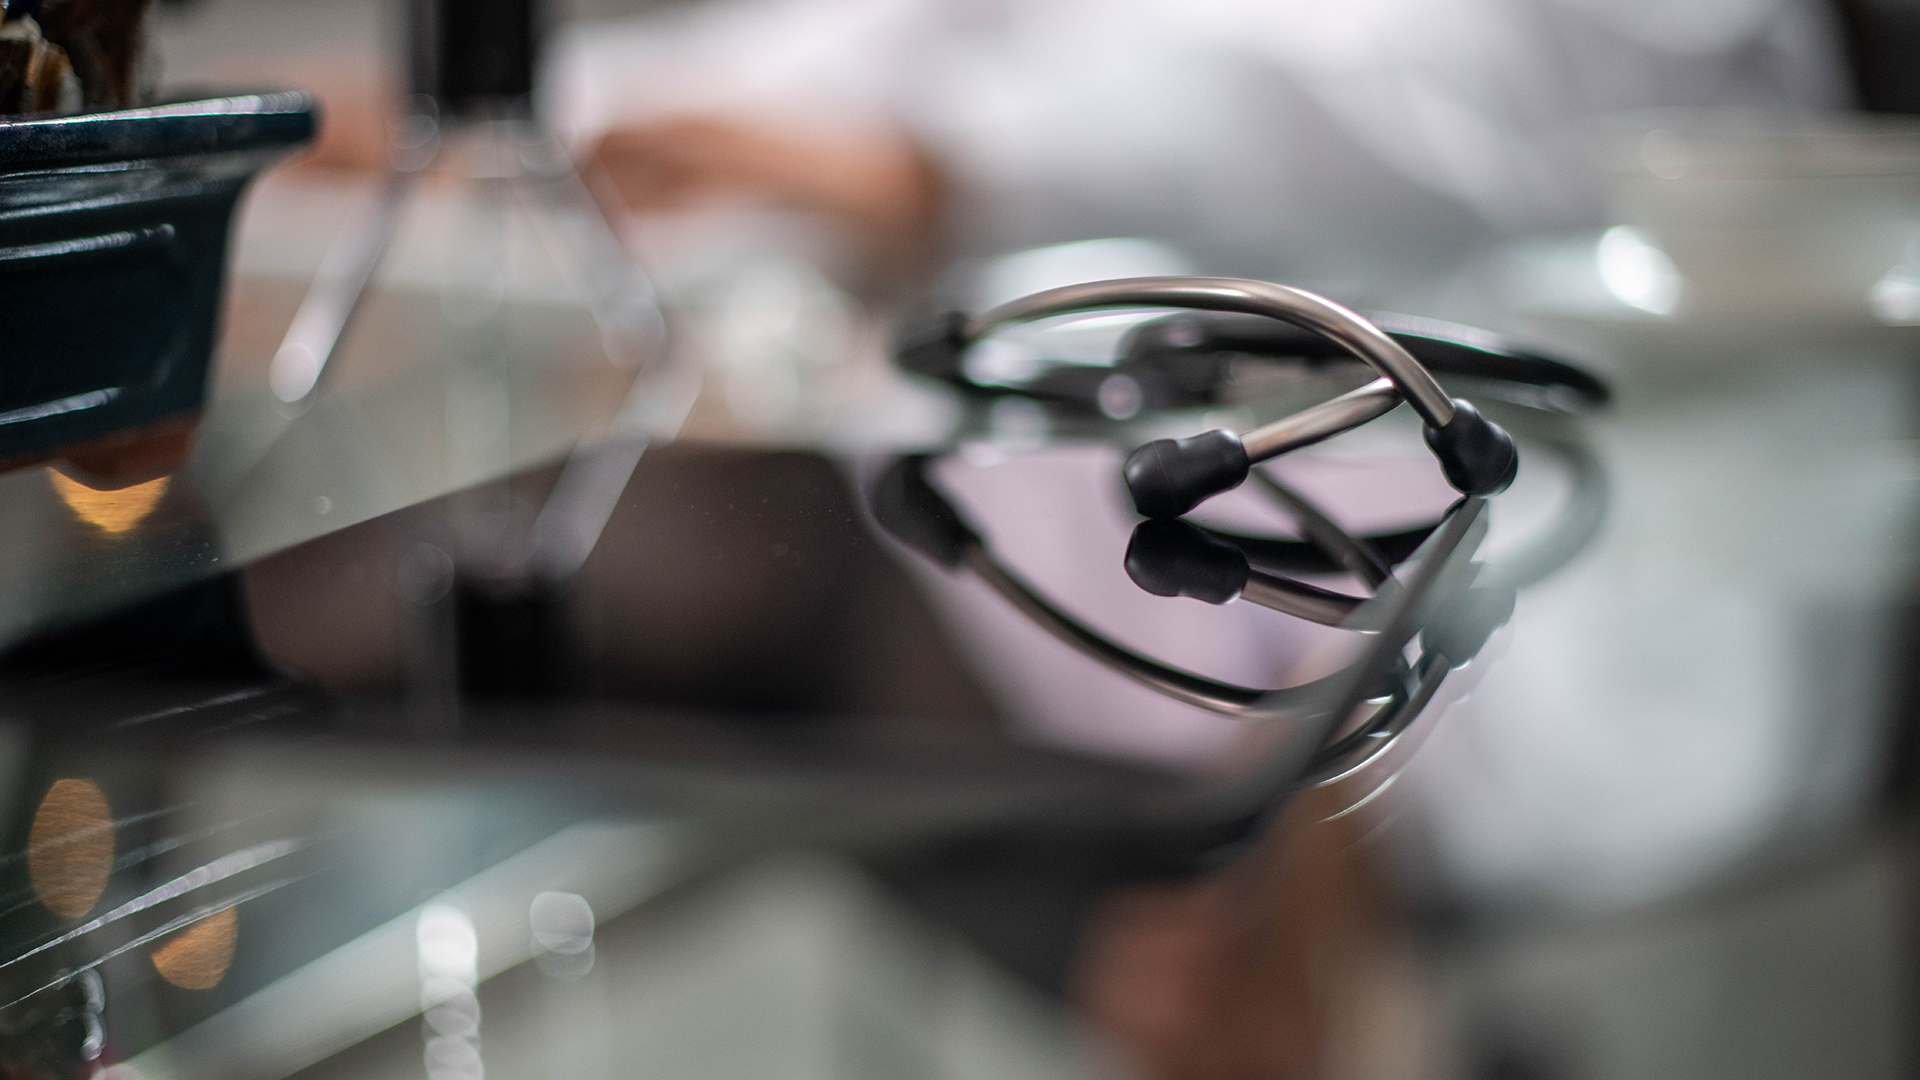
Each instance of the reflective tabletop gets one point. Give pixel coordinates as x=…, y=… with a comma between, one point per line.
x=554, y=701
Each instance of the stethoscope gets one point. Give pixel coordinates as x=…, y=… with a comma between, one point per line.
x=1168, y=477
x=1451, y=603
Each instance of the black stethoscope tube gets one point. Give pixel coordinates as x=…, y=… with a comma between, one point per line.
x=910, y=508
x=1191, y=338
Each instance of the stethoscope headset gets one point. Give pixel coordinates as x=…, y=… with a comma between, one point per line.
x=1168, y=477
x=1424, y=582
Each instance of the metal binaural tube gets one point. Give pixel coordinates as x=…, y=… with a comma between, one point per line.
x=1247, y=296
x=1320, y=422
x=1303, y=601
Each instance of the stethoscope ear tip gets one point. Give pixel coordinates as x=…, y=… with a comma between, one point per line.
x=1172, y=558
x=1476, y=454
x=1168, y=477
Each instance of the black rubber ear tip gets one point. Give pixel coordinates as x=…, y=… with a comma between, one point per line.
x=1476, y=454
x=932, y=345
x=1168, y=477
x=1172, y=558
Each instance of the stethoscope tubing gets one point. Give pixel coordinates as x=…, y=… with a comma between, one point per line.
x=1226, y=699
x=1461, y=528
x=1443, y=601
x=1168, y=477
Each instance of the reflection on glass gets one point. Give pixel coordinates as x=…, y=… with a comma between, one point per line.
x=1637, y=272
x=112, y=512
x=1895, y=298
x=562, y=925
x=93, y=1006
x=70, y=848
x=449, y=969
x=197, y=958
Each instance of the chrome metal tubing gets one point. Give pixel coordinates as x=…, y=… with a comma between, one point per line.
x=1300, y=600
x=1302, y=309
x=1349, y=755
x=1451, y=545
x=1320, y=422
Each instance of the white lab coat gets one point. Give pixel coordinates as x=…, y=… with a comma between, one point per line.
x=1235, y=129
x=1245, y=132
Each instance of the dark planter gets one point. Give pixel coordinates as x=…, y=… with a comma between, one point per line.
x=113, y=245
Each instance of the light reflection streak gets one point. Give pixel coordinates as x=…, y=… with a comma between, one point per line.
x=218, y=870
x=160, y=847
x=163, y=930
x=116, y=823
x=22, y=898
x=154, y=850
x=181, y=710
x=78, y=402
x=1375, y=792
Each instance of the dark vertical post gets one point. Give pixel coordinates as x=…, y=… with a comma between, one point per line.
x=473, y=57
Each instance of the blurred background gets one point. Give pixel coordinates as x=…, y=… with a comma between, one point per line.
x=761, y=804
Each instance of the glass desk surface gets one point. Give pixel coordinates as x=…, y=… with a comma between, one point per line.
x=298, y=748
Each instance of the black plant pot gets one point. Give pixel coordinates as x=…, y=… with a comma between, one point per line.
x=113, y=250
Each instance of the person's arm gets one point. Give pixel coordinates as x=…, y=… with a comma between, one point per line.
x=879, y=185
x=1291, y=962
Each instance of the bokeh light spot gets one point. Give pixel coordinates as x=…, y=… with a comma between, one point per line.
x=70, y=848
x=197, y=957
x=112, y=512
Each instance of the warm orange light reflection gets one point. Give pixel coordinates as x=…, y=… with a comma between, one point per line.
x=113, y=512
x=70, y=848
x=198, y=956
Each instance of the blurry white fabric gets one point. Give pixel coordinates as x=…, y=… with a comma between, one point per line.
x=1238, y=129
x=1224, y=126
